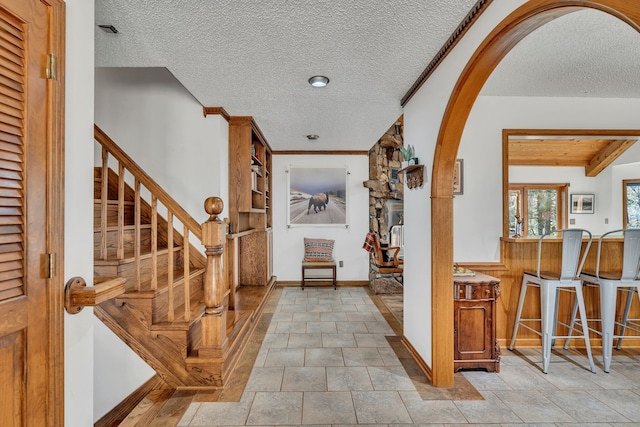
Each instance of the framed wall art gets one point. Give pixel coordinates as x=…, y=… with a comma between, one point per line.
x=317, y=196
x=458, y=177
x=583, y=203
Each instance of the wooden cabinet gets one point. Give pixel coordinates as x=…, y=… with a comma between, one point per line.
x=250, y=202
x=475, y=344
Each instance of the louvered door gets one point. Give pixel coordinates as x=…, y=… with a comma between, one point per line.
x=24, y=341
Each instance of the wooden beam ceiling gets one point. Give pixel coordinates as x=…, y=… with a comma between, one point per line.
x=594, y=154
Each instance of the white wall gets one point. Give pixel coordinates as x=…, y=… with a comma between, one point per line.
x=78, y=232
x=157, y=122
x=478, y=212
x=422, y=117
x=480, y=227
x=153, y=118
x=288, y=242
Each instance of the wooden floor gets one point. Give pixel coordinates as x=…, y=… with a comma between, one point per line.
x=164, y=406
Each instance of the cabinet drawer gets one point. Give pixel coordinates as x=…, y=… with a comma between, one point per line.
x=475, y=292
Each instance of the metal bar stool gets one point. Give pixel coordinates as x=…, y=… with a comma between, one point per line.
x=550, y=283
x=609, y=285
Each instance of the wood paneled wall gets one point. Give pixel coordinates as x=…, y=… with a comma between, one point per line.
x=519, y=255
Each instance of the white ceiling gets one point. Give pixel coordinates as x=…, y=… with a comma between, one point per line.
x=255, y=57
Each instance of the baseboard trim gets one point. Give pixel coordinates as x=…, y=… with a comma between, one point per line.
x=426, y=370
x=311, y=283
x=124, y=408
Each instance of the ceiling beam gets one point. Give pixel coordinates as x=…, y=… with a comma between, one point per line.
x=607, y=155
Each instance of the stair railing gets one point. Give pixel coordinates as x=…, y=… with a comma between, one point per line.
x=214, y=284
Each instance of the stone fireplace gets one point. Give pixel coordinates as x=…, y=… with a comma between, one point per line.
x=386, y=194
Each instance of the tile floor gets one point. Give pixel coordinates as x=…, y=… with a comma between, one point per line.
x=327, y=358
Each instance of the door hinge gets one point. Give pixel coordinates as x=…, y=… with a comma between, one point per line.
x=50, y=265
x=51, y=66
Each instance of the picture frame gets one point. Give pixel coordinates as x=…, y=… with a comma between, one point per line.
x=318, y=197
x=458, y=177
x=582, y=203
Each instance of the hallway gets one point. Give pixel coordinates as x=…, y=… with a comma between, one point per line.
x=333, y=357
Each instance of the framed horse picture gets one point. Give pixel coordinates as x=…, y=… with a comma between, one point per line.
x=317, y=196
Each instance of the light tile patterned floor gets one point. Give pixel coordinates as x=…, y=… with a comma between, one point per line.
x=325, y=360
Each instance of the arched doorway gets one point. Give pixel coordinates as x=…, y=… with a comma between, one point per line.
x=496, y=45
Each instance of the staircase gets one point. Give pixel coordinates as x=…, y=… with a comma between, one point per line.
x=177, y=312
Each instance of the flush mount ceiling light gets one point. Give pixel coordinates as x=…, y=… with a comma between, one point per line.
x=108, y=28
x=312, y=137
x=319, y=81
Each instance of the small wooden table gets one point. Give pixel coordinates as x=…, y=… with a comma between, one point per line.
x=474, y=323
x=329, y=266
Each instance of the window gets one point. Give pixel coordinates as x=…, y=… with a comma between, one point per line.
x=631, y=203
x=540, y=208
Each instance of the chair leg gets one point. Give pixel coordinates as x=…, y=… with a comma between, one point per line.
x=547, y=310
x=625, y=317
x=523, y=293
x=574, y=312
x=608, y=293
x=585, y=329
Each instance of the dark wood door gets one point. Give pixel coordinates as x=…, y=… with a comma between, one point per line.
x=24, y=340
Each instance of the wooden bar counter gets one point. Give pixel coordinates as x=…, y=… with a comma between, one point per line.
x=518, y=255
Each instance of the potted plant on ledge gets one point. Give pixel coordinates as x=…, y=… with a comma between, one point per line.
x=407, y=156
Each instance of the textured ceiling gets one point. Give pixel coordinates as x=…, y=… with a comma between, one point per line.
x=255, y=57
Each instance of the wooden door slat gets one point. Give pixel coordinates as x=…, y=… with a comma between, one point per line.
x=10, y=148
x=14, y=89
x=10, y=266
x=11, y=275
x=15, y=291
x=12, y=28
x=11, y=120
x=11, y=247
x=11, y=157
x=10, y=284
x=10, y=211
x=11, y=102
x=10, y=256
x=9, y=165
x=13, y=130
x=11, y=138
x=10, y=238
x=10, y=192
x=5, y=219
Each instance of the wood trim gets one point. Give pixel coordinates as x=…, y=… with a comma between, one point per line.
x=457, y=34
x=577, y=133
x=625, y=216
x=124, y=408
x=507, y=34
x=216, y=110
x=417, y=358
x=55, y=206
x=484, y=266
x=322, y=152
x=289, y=283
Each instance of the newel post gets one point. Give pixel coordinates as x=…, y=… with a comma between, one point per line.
x=214, y=320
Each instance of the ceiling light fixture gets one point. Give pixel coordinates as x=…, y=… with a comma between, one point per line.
x=312, y=137
x=108, y=28
x=319, y=81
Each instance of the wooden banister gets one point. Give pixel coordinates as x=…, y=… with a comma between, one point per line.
x=78, y=295
x=147, y=181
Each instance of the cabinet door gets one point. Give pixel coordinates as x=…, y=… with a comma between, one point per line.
x=473, y=326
